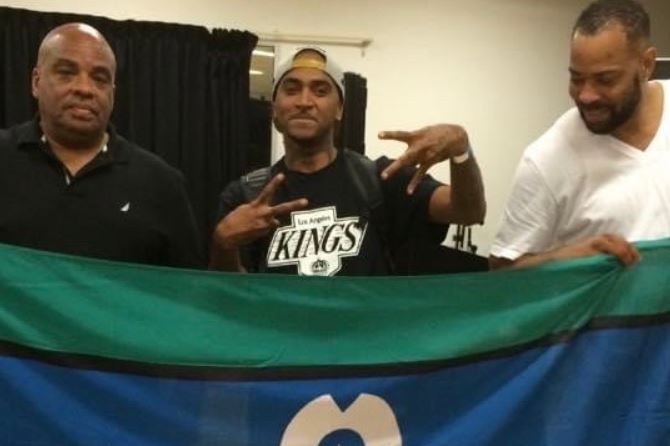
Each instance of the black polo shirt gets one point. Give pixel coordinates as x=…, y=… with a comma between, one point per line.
x=126, y=204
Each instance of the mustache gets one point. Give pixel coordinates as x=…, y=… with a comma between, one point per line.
x=85, y=105
x=303, y=116
x=593, y=106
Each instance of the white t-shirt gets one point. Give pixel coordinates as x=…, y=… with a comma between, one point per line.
x=572, y=184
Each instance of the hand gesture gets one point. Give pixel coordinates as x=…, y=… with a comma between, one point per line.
x=252, y=220
x=426, y=147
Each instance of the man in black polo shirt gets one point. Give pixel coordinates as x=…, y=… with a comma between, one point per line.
x=69, y=183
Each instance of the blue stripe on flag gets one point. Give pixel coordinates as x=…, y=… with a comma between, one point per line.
x=605, y=387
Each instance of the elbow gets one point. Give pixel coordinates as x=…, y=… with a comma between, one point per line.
x=471, y=214
x=499, y=262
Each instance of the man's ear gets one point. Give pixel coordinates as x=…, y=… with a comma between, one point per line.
x=340, y=112
x=649, y=62
x=35, y=80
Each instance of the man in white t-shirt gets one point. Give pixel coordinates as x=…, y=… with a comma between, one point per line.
x=599, y=178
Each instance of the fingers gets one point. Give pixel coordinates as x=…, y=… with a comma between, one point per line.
x=264, y=200
x=268, y=192
x=403, y=160
x=288, y=207
x=416, y=179
x=618, y=247
x=398, y=135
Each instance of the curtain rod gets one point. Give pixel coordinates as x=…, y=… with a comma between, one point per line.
x=322, y=40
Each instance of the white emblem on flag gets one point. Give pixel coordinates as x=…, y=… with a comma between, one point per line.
x=369, y=416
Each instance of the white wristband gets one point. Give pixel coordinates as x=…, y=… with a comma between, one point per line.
x=460, y=159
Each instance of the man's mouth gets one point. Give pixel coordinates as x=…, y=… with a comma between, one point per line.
x=595, y=113
x=303, y=118
x=82, y=111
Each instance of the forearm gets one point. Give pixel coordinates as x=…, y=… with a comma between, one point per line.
x=468, y=204
x=225, y=259
x=610, y=244
x=525, y=261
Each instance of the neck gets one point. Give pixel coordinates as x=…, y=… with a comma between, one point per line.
x=76, y=156
x=641, y=128
x=310, y=157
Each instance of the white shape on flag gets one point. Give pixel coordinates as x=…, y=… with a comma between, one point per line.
x=369, y=416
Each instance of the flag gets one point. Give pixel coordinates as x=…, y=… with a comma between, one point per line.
x=102, y=353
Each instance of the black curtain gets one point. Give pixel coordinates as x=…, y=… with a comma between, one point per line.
x=351, y=133
x=260, y=135
x=662, y=70
x=182, y=92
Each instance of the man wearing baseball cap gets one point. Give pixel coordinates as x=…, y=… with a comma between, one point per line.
x=320, y=211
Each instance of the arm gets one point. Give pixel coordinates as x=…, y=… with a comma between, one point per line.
x=247, y=223
x=463, y=202
x=602, y=244
x=184, y=241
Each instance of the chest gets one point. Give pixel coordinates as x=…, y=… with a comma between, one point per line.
x=104, y=213
x=630, y=197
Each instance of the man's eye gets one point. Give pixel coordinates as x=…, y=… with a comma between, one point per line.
x=101, y=79
x=65, y=72
x=606, y=81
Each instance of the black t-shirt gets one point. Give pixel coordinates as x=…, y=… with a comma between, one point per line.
x=336, y=234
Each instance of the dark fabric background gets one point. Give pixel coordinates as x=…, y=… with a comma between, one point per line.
x=260, y=134
x=181, y=92
x=662, y=69
x=351, y=133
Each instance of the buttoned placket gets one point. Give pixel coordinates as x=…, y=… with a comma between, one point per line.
x=69, y=178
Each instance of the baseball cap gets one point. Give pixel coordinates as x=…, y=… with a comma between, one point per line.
x=322, y=63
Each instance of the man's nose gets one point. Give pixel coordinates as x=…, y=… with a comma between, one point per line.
x=83, y=84
x=588, y=94
x=305, y=98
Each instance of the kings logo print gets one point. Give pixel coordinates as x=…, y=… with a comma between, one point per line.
x=316, y=241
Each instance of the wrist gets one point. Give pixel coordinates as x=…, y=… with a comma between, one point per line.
x=463, y=157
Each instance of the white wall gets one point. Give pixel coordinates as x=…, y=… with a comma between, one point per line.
x=498, y=67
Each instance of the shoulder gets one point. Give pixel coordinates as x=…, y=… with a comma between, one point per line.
x=17, y=135
x=564, y=132
x=144, y=161
x=23, y=131
x=5, y=137
x=245, y=188
x=665, y=83
x=559, y=145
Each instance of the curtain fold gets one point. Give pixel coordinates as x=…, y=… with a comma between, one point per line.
x=182, y=92
x=351, y=133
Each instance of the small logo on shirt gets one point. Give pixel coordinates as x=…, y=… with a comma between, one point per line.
x=316, y=241
x=125, y=207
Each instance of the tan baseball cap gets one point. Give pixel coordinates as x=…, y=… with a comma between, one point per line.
x=322, y=63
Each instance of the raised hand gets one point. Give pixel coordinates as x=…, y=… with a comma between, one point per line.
x=425, y=148
x=255, y=219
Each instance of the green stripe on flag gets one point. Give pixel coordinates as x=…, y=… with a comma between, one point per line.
x=168, y=316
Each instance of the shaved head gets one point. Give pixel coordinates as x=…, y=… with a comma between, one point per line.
x=73, y=82
x=56, y=36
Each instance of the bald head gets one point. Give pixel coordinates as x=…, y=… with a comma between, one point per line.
x=72, y=32
x=73, y=83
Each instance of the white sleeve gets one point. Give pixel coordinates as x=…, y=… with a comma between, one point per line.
x=529, y=220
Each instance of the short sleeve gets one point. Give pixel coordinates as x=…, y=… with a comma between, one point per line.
x=529, y=220
x=230, y=198
x=408, y=214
